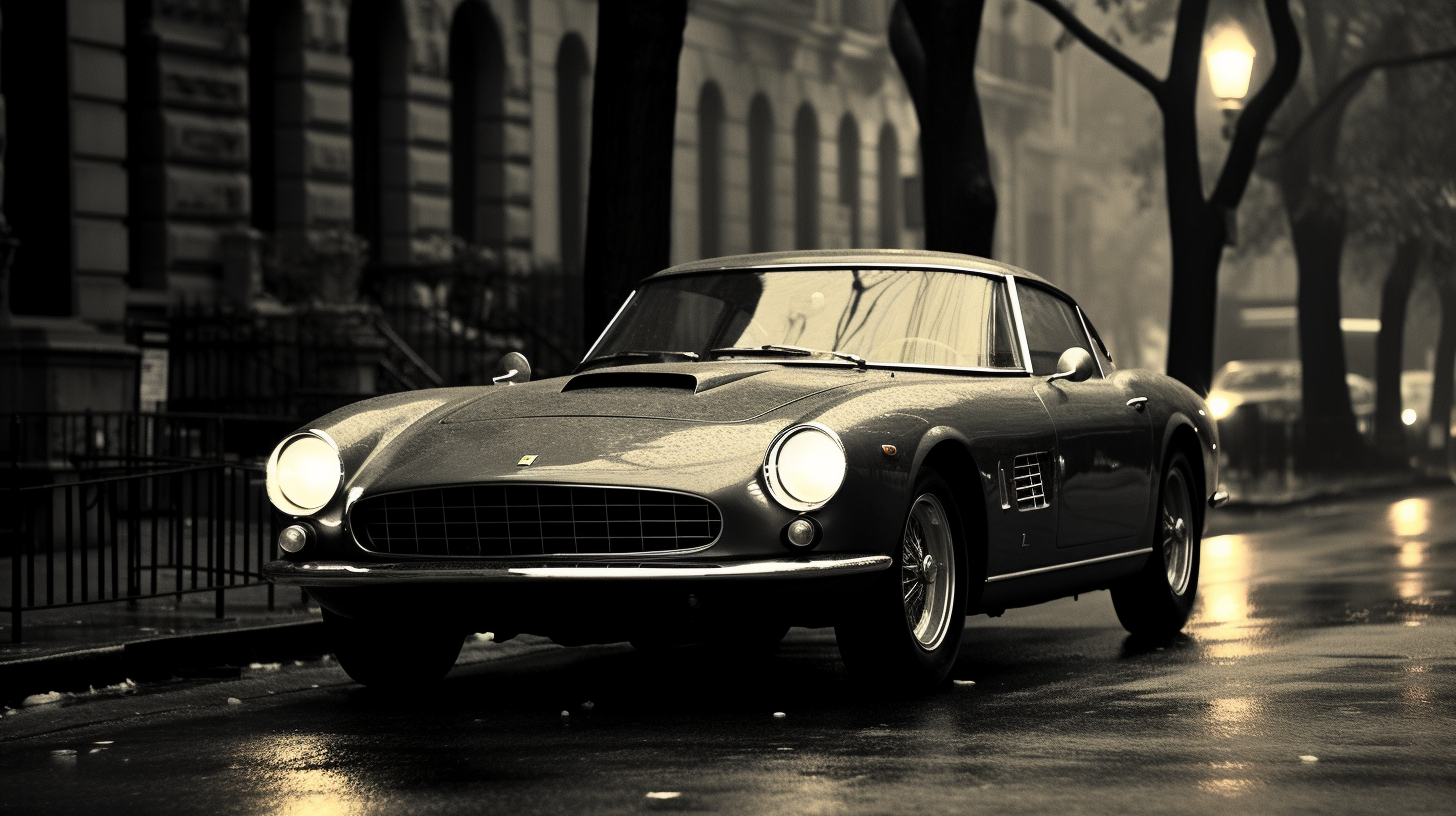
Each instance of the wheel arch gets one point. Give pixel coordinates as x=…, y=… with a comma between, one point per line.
x=949, y=454
x=1183, y=437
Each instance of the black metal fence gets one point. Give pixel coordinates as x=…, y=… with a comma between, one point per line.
x=205, y=528
x=93, y=442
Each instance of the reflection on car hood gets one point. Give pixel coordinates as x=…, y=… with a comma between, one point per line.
x=697, y=392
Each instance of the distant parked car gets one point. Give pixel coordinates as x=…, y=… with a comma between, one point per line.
x=1274, y=386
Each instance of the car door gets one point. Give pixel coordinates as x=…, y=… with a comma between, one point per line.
x=1102, y=472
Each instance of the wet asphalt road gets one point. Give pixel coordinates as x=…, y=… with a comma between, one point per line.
x=1319, y=676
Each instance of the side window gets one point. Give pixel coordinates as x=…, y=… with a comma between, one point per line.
x=1099, y=348
x=1052, y=327
x=1005, y=352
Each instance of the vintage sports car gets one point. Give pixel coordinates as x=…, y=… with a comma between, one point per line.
x=880, y=441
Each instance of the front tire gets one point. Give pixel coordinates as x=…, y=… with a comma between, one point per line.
x=391, y=656
x=908, y=633
x=1158, y=600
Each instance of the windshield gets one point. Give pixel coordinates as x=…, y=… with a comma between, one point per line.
x=910, y=316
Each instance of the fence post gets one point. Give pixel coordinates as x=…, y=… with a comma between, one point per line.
x=12, y=516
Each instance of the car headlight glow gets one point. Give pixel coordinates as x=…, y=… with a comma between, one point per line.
x=805, y=467
x=1408, y=416
x=304, y=473
x=1219, y=406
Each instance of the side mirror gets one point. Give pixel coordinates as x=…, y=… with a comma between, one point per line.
x=513, y=368
x=1074, y=365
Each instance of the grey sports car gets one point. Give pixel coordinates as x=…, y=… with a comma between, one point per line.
x=880, y=441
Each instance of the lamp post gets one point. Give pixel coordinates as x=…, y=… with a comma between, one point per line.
x=1230, y=58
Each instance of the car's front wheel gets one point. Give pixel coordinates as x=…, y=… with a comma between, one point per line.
x=1157, y=601
x=908, y=633
x=391, y=656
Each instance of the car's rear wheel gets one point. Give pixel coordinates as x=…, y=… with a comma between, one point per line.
x=908, y=633
x=1157, y=601
x=391, y=656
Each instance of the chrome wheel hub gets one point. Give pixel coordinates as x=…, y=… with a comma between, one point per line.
x=927, y=571
x=1176, y=533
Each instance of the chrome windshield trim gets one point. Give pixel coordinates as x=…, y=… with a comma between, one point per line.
x=356, y=573
x=1020, y=324
x=1039, y=570
x=593, y=350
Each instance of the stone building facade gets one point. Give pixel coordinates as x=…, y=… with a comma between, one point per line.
x=150, y=144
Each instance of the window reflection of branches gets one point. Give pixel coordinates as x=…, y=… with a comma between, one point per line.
x=917, y=317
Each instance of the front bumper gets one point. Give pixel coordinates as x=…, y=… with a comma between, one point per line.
x=320, y=574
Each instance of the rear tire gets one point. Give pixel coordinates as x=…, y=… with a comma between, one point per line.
x=390, y=656
x=907, y=634
x=1158, y=600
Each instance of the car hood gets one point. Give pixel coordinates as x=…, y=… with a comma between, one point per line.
x=692, y=392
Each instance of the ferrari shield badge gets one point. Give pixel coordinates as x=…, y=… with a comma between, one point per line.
x=526, y=460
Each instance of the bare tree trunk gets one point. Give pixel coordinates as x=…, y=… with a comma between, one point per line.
x=1390, y=346
x=634, y=106
x=934, y=43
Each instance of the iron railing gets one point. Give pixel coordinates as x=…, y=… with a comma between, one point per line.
x=204, y=528
x=92, y=441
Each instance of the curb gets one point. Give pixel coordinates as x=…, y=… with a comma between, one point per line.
x=195, y=655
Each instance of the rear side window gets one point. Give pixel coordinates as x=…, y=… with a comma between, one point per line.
x=1052, y=327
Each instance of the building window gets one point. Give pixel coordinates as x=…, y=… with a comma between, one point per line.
x=849, y=175
x=806, y=179
x=477, y=72
x=378, y=51
x=710, y=171
x=34, y=76
x=889, y=186
x=760, y=175
x=573, y=145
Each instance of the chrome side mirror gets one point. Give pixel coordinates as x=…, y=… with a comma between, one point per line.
x=1075, y=365
x=513, y=368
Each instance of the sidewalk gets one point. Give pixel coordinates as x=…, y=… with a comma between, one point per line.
x=152, y=639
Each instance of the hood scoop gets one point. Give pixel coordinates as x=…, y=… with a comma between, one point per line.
x=677, y=380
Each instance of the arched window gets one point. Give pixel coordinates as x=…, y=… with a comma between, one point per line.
x=477, y=100
x=806, y=179
x=889, y=186
x=760, y=175
x=34, y=76
x=710, y=171
x=849, y=174
x=273, y=29
x=378, y=49
x=573, y=144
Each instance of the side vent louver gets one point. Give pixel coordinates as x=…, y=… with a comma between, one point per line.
x=1026, y=477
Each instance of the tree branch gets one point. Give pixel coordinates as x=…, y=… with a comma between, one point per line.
x=1351, y=82
x=1244, y=151
x=1102, y=47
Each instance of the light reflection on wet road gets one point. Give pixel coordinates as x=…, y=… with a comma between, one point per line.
x=1317, y=677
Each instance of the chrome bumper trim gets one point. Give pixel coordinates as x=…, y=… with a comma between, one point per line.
x=1218, y=499
x=354, y=573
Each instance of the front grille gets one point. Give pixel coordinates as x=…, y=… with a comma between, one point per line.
x=515, y=520
x=1030, y=489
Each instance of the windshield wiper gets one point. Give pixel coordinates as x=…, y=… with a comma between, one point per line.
x=624, y=355
x=769, y=349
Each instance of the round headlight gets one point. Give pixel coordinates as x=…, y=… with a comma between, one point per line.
x=304, y=473
x=805, y=467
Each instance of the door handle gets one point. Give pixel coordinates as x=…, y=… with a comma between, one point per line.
x=1138, y=403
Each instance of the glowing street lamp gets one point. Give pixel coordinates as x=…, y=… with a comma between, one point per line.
x=1230, y=58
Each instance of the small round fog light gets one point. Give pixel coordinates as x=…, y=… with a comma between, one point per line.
x=801, y=533
x=294, y=537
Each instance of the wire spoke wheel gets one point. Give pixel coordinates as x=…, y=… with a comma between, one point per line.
x=927, y=571
x=1176, y=532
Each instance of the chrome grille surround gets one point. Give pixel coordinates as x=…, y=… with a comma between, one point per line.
x=513, y=520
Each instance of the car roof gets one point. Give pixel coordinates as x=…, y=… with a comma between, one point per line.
x=875, y=258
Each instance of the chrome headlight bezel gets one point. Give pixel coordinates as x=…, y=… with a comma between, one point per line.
x=279, y=497
x=771, y=469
